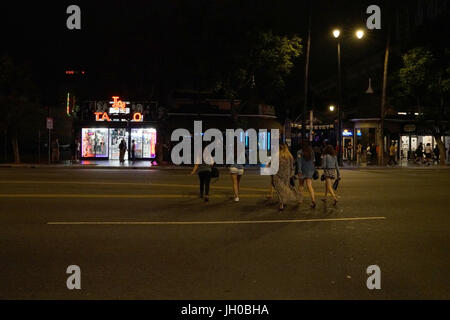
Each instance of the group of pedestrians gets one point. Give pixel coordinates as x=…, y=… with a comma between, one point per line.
x=426, y=155
x=283, y=182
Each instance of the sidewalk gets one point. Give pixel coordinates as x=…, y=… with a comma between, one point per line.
x=148, y=165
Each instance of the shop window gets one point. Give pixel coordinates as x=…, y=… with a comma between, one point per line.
x=94, y=143
x=115, y=136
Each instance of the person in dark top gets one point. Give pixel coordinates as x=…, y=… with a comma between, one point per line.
x=133, y=150
x=122, y=150
x=419, y=153
x=436, y=154
x=204, y=175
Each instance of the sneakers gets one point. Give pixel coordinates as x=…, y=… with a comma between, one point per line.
x=236, y=199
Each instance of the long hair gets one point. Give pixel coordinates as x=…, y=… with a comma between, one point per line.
x=329, y=150
x=307, y=152
x=284, y=152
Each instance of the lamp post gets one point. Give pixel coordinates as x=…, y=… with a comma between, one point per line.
x=337, y=35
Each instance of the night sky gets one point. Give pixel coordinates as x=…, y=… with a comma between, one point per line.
x=125, y=46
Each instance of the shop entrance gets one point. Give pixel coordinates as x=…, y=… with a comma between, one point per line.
x=347, y=148
x=404, y=148
x=115, y=136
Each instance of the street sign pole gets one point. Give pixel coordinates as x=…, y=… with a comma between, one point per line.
x=49, y=127
x=49, y=139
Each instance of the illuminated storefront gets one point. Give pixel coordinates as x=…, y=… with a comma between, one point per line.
x=104, y=127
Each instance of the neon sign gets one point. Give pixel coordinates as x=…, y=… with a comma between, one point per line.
x=119, y=112
x=68, y=104
x=101, y=116
x=118, y=104
x=347, y=133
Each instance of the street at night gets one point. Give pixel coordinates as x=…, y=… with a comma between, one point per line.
x=145, y=234
x=224, y=159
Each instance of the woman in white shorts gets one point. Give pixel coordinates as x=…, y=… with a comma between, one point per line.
x=236, y=171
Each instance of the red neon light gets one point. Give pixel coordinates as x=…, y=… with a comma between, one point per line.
x=137, y=116
x=118, y=103
x=101, y=116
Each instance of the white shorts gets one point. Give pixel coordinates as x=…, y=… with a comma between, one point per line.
x=237, y=171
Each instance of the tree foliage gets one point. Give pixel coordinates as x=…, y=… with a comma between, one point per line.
x=19, y=104
x=425, y=76
x=261, y=62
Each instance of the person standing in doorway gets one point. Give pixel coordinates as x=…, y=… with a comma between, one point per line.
x=330, y=172
x=133, y=150
x=305, y=165
x=122, y=150
x=349, y=151
x=359, y=150
x=419, y=154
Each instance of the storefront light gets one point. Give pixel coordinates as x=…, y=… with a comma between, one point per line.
x=347, y=133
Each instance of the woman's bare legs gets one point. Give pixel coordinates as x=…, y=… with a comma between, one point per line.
x=330, y=188
x=234, y=179
x=326, y=192
x=300, y=189
x=310, y=190
x=238, y=183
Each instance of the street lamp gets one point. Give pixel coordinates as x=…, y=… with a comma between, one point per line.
x=331, y=108
x=359, y=33
x=337, y=35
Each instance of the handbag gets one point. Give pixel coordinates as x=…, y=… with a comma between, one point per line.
x=315, y=174
x=336, y=183
x=292, y=181
x=214, y=172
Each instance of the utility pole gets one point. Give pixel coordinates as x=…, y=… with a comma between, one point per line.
x=383, y=97
x=339, y=143
x=308, y=45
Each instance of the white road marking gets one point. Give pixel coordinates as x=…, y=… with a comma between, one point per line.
x=209, y=222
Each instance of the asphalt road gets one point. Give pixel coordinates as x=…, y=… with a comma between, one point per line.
x=145, y=234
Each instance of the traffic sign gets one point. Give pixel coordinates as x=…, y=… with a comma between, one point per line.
x=49, y=123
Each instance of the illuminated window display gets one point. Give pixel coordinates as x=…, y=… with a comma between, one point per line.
x=145, y=140
x=136, y=135
x=149, y=143
x=94, y=143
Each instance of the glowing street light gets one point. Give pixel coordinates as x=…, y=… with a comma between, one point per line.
x=336, y=33
x=331, y=108
x=359, y=33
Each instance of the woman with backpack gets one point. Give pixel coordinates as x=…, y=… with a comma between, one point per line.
x=306, y=169
x=330, y=171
